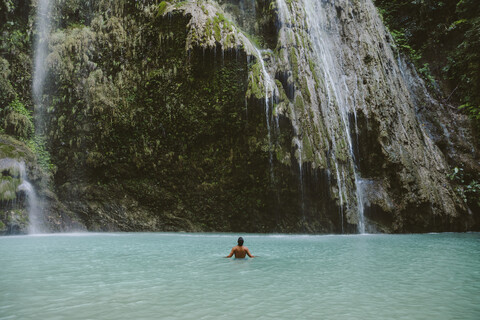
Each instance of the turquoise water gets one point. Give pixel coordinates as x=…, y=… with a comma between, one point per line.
x=183, y=276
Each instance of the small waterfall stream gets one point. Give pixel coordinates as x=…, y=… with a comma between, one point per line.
x=43, y=28
x=19, y=183
x=270, y=92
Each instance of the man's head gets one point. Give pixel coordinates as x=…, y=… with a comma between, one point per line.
x=240, y=241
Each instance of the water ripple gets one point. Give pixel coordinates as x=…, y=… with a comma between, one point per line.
x=184, y=276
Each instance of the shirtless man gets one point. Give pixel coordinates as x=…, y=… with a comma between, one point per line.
x=240, y=251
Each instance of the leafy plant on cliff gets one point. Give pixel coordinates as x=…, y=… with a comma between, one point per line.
x=443, y=38
x=162, y=6
x=17, y=120
x=18, y=107
x=15, y=59
x=38, y=145
x=467, y=186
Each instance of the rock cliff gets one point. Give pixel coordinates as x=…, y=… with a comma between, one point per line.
x=258, y=116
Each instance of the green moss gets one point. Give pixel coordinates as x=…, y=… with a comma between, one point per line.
x=18, y=125
x=220, y=24
x=38, y=147
x=299, y=104
x=17, y=120
x=283, y=156
x=229, y=41
x=217, y=31
x=255, y=83
x=180, y=3
x=162, y=6
x=7, y=151
x=12, y=148
x=294, y=63
x=321, y=161
x=308, y=152
x=205, y=11
x=341, y=151
x=208, y=32
x=306, y=90
x=281, y=91
x=314, y=73
x=8, y=187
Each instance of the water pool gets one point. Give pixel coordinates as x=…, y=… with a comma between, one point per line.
x=184, y=276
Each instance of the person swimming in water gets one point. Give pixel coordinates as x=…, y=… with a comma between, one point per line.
x=240, y=251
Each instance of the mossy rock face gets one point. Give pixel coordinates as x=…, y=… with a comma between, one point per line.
x=7, y=92
x=13, y=213
x=15, y=149
x=157, y=132
x=18, y=164
x=149, y=120
x=3, y=228
x=18, y=125
x=159, y=117
x=14, y=222
x=8, y=186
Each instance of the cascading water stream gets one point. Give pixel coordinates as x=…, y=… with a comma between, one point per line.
x=43, y=26
x=335, y=99
x=18, y=171
x=270, y=90
x=325, y=44
x=287, y=20
x=33, y=203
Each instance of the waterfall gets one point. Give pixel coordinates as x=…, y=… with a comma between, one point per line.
x=20, y=183
x=270, y=90
x=325, y=37
x=333, y=101
x=43, y=26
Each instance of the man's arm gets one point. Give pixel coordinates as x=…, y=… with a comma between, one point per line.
x=231, y=254
x=249, y=254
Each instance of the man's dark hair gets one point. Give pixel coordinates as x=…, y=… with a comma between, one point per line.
x=240, y=241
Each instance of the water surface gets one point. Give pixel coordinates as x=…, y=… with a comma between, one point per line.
x=184, y=276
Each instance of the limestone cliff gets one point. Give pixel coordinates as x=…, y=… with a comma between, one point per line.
x=259, y=116
x=360, y=118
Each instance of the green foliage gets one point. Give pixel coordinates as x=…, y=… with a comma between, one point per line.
x=442, y=38
x=38, y=146
x=6, y=90
x=464, y=65
x=402, y=43
x=17, y=120
x=467, y=186
x=219, y=23
x=15, y=59
x=162, y=6
x=426, y=73
x=473, y=111
x=18, y=107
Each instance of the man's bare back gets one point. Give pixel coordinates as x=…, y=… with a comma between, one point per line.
x=240, y=251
